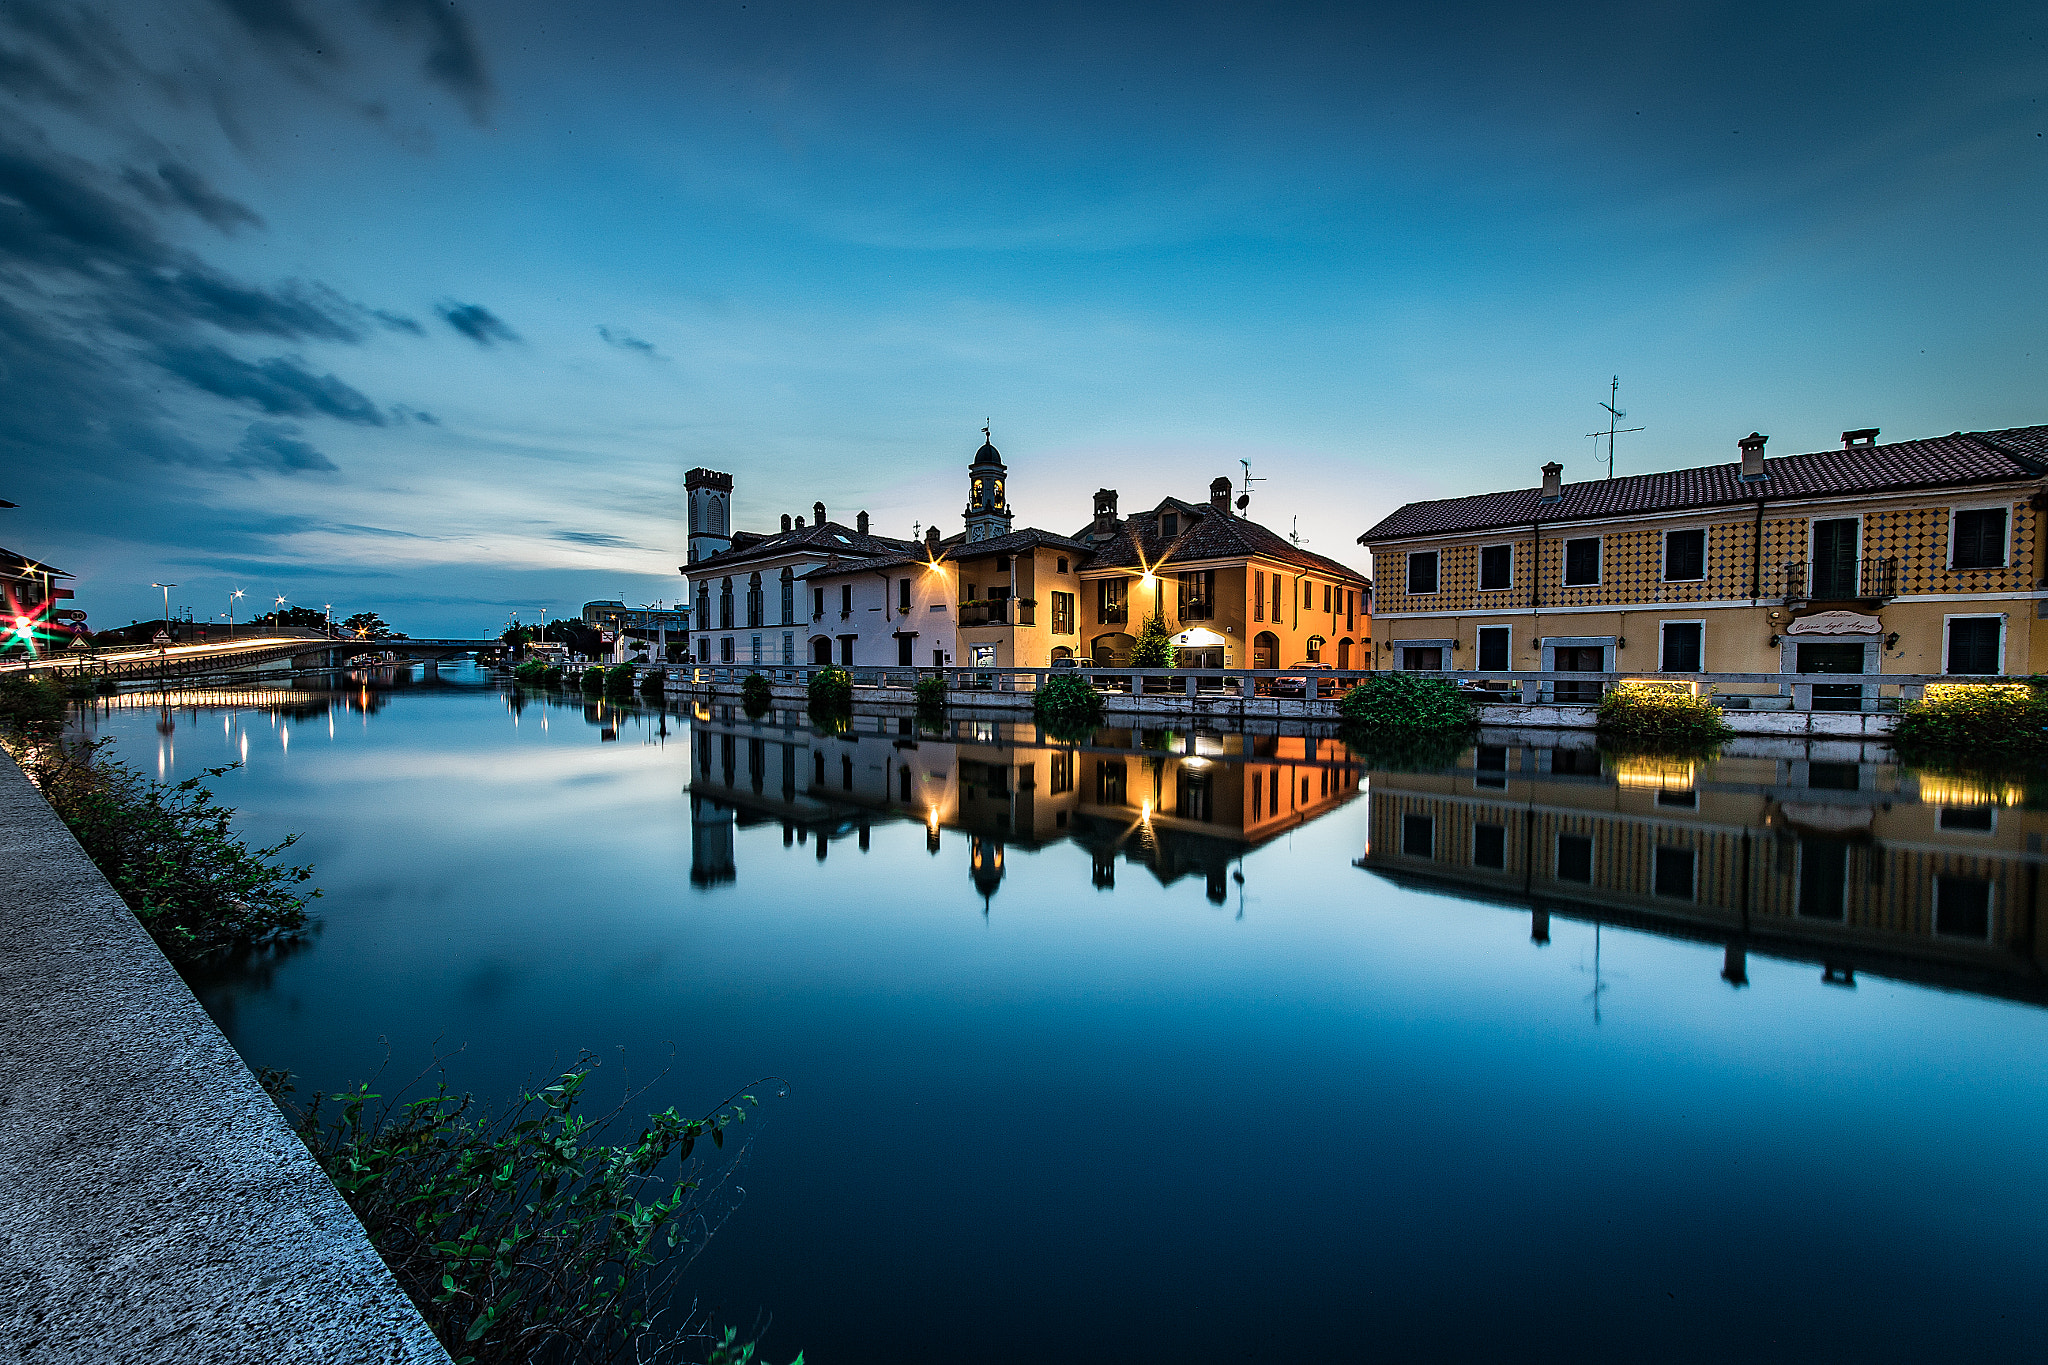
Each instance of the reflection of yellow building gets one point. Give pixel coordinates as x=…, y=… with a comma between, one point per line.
x=1858, y=865
x=1179, y=804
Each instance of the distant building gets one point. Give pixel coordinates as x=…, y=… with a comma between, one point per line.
x=31, y=595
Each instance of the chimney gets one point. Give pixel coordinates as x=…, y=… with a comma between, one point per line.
x=931, y=542
x=785, y=521
x=1552, y=473
x=819, y=508
x=1219, y=495
x=1105, y=513
x=799, y=523
x=1753, y=457
x=860, y=523
x=1867, y=436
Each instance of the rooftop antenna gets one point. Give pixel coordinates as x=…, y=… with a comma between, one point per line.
x=1244, y=499
x=1295, y=534
x=1614, y=414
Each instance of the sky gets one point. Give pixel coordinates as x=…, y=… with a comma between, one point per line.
x=426, y=308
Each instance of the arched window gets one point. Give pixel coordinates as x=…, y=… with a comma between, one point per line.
x=695, y=516
x=718, y=516
x=725, y=604
x=754, y=600
x=1344, y=653
x=788, y=597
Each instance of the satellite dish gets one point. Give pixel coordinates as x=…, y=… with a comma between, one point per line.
x=1244, y=500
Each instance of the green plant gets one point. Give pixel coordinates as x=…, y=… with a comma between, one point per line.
x=1661, y=718
x=170, y=851
x=523, y=1235
x=1067, y=706
x=831, y=689
x=1407, y=701
x=537, y=673
x=1154, y=646
x=593, y=678
x=931, y=691
x=618, y=680
x=756, y=696
x=651, y=684
x=2008, y=720
x=31, y=708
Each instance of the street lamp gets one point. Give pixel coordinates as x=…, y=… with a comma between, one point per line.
x=164, y=650
x=167, y=605
x=231, y=612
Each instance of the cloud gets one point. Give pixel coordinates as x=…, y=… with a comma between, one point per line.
x=398, y=322
x=596, y=538
x=182, y=187
x=454, y=60
x=276, y=448
x=277, y=385
x=626, y=341
x=279, y=25
x=476, y=322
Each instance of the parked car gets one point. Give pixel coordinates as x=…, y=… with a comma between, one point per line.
x=1292, y=686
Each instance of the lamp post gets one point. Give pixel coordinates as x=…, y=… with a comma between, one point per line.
x=231, y=612
x=163, y=653
x=277, y=614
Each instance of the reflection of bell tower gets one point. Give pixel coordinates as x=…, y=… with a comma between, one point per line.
x=988, y=508
x=985, y=866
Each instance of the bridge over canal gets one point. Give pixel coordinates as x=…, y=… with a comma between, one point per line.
x=145, y=663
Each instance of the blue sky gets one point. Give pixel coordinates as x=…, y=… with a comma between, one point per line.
x=426, y=309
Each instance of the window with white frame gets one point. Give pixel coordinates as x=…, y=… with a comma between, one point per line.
x=1496, y=568
x=1977, y=539
x=1685, y=555
x=1582, y=561
x=1422, y=572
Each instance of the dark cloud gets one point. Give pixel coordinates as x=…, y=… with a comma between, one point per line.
x=278, y=24
x=398, y=322
x=275, y=447
x=182, y=187
x=454, y=60
x=596, y=538
x=626, y=341
x=277, y=385
x=476, y=322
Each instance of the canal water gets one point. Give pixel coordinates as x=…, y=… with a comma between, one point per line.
x=1202, y=1046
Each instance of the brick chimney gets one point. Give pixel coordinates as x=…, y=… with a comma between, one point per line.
x=860, y=523
x=1105, y=513
x=1753, y=457
x=819, y=508
x=1864, y=436
x=931, y=542
x=799, y=523
x=785, y=521
x=1553, y=474
x=1219, y=495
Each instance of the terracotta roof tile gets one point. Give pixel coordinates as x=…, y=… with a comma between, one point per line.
x=1207, y=534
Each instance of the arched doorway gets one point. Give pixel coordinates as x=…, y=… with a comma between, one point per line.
x=1061, y=652
x=821, y=649
x=1266, y=650
x=1344, y=655
x=1112, y=650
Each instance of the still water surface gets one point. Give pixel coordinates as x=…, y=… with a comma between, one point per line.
x=1210, y=1047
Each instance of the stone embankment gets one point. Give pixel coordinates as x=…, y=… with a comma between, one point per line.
x=154, y=1206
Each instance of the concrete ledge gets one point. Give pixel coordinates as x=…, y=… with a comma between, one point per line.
x=1780, y=724
x=153, y=1204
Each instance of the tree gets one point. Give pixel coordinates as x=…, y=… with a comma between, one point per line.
x=1154, y=646
x=305, y=618
x=368, y=625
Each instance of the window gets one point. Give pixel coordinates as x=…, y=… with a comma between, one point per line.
x=1063, y=613
x=1976, y=818
x=756, y=642
x=1973, y=644
x=1490, y=766
x=1823, y=878
x=1418, y=835
x=725, y=650
x=1682, y=800
x=1197, y=595
x=1062, y=564
x=1834, y=558
x=1496, y=568
x=1493, y=647
x=1834, y=777
x=1276, y=597
x=1002, y=563
x=725, y=604
x=845, y=600
x=1962, y=907
x=1978, y=539
x=1350, y=608
x=817, y=604
x=1258, y=597
x=1671, y=873
x=846, y=650
x=1574, y=858
x=1169, y=524
x=1327, y=590
x=1582, y=561
x=788, y=597
x=1682, y=646
x=754, y=605
x=1109, y=601
x=1308, y=595
x=1489, y=846
x=788, y=647
x=1422, y=571
x=1685, y=556
x=1422, y=658
x=845, y=778
x=902, y=594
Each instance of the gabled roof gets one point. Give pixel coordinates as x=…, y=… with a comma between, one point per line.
x=1030, y=538
x=1959, y=459
x=1205, y=534
x=13, y=565
x=828, y=539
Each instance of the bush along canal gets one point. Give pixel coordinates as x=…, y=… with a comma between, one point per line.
x=1186, y=1043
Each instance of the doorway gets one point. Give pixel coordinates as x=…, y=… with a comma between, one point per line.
x=1833, y=658
x=1580, y=659
x=1266, y=650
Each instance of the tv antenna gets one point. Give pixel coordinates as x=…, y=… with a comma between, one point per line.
x=1244, y=499
x=1614, y=414
x=1295, y=534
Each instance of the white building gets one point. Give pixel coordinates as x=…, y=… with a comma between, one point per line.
x=892, y=610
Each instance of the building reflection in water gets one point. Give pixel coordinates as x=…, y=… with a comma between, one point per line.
x=1820, y=856
x=1178, y=803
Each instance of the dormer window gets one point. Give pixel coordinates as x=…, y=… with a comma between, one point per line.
x=1169, y=525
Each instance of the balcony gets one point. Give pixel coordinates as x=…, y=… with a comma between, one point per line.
x=1876, y=580
x=1008, y=611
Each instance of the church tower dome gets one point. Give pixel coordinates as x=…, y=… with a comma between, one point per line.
x=988, y=506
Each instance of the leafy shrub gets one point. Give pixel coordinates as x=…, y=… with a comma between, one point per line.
x=2008, y=720
x=168, y=848
x=618, y=680
x=931, y=691
x=1406, y=701
x=831, y=689
x=756, y=696
x=521, y=1235
x=1154, y=645
x=31, y=707
x=1660, y=718
x=651, y=684
x=593, y=678
x=1067, y=705
x=538, y=673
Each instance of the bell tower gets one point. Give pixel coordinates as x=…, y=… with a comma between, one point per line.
x=988, y=506
x=710, y=499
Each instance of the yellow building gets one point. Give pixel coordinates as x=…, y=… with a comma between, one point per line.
x=1237, y=594
x=1908, y=557
x=1020, y=598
